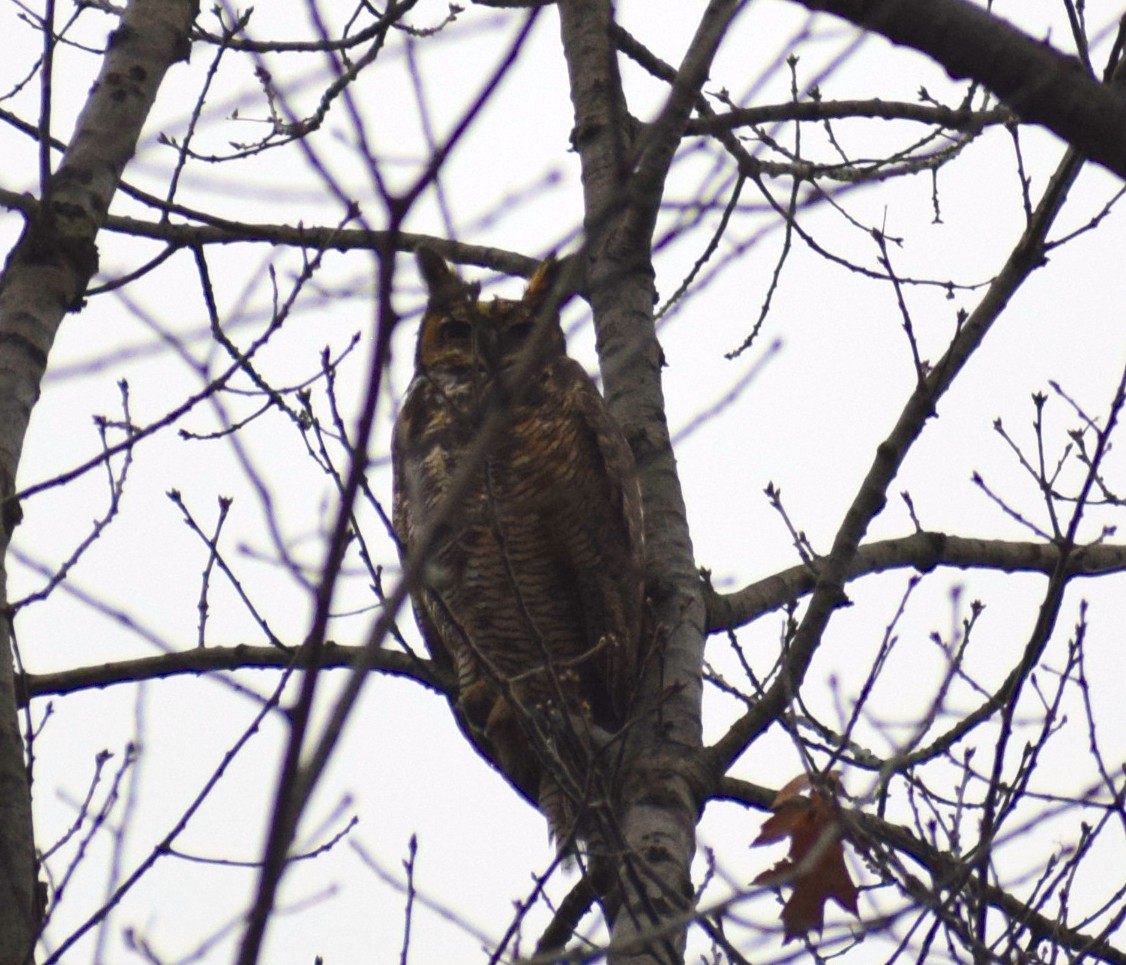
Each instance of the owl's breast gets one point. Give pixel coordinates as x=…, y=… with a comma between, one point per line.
x=543, y=459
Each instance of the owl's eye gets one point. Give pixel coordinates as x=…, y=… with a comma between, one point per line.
x=454, y=330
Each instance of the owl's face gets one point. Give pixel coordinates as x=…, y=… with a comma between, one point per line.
x=460, y=335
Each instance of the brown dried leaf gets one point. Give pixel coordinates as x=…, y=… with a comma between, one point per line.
x=815, y=868
x=791, y=789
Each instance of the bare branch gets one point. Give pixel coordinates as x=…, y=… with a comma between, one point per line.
x=1040, y=84
x=921, y=551
x=239, y=657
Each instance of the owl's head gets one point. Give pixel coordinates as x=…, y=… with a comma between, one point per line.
x=458, y=331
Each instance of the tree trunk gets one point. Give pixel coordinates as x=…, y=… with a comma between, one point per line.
x=46, y=276
x=650, y=900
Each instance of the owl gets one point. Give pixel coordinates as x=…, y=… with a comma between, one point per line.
x=530, y=585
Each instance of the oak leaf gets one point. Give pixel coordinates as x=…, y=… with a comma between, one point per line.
x=815, y=868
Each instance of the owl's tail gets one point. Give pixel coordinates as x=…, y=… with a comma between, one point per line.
x=565, y=763
x=577, y=788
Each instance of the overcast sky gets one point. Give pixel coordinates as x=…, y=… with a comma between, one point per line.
x=808, y=421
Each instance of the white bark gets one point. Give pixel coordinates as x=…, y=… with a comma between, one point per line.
x=45, y=277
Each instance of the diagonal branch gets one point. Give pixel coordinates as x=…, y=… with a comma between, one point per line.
x=828, y=593
x=659, y=144
x=1042, y=85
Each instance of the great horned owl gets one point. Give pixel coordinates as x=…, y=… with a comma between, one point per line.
x=532, y=587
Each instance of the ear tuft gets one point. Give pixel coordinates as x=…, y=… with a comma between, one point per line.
x=441, y=281
x=541, y=282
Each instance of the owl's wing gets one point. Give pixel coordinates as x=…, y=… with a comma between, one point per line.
x=620, y=470
x=617, y=523
x=408, y=471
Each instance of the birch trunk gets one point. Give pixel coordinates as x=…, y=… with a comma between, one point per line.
x=45, y=277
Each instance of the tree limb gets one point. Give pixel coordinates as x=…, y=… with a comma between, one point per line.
x=922, y=551
x=1042, y=85
x=240, y=657
x=213, y=230
x=955, y=119
x=921, y=406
